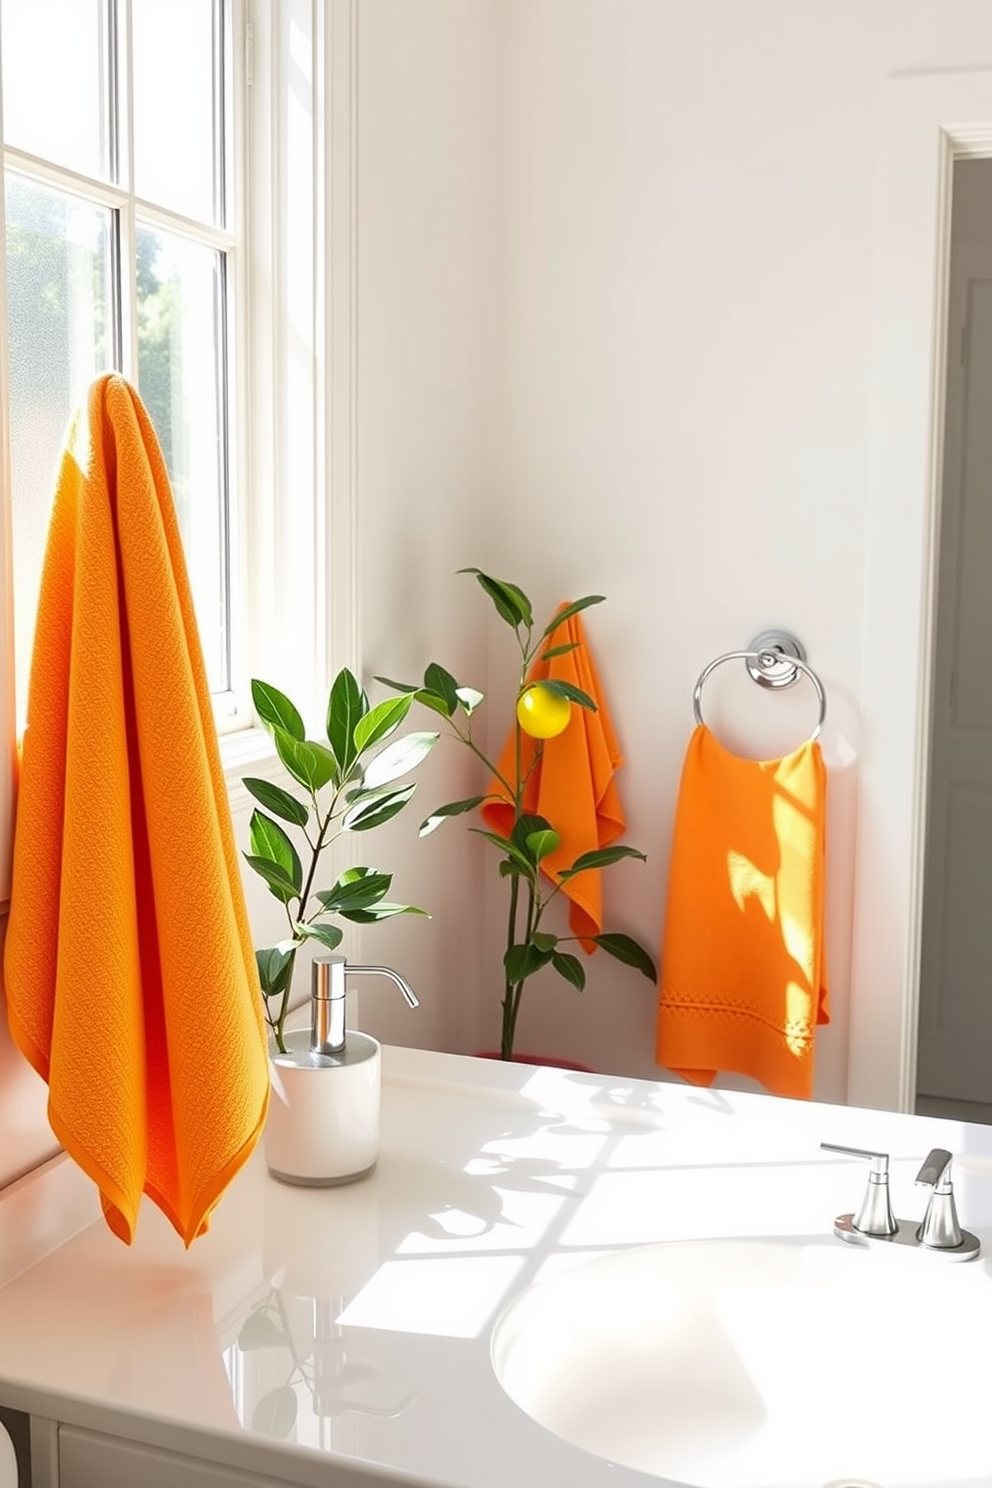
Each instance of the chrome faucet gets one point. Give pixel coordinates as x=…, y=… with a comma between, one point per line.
x=875, y=1216
x=940, y=1229
x=939, y=1232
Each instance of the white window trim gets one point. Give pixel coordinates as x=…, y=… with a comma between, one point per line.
x=298, y=611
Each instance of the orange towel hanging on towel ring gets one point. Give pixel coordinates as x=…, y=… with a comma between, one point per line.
x=743, y=983
x=129, y=967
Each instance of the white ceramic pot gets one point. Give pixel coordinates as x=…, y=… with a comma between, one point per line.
x=323, y=1121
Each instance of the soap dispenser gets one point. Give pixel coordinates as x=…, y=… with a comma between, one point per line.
x=323, y=1121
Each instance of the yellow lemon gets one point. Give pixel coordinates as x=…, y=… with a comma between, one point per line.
x=542, y=713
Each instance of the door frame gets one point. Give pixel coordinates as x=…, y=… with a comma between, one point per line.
x=927, y=121
x=949, y=1064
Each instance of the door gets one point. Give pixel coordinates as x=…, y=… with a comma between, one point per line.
x=954, y=1059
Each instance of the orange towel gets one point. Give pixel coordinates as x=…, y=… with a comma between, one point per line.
x=742, y=983
x=572, y=786
x=130, y=974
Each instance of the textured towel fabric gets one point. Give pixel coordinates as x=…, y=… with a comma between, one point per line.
x=742, y=983
x=130, y=974
x=572, y=785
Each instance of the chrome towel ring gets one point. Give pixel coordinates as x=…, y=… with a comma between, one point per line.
x=775, y=658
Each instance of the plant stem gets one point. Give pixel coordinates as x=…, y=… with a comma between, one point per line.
x=278, y=1027
x=318, y=849
x=514, y=992
x=493, y=770
x=511, y=993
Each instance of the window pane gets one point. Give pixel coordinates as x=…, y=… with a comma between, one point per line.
x=173, y=45
x=58, y=273
x=181, y=380
x=55, y=93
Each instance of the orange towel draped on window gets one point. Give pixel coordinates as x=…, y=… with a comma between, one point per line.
x=572, y=786
x=130, y=975
x=742, y=983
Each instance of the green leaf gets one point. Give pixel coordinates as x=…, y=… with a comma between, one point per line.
x=540, y=844
x=601, y=857
x=435, y=702
x=355, y=889
x=572, y=609
x=512, y=604
x=346, y=705
x=329, y=936
x=279, y=883
x=311, y=764
x=453, y=808
x=399, y=758
x=569, y=967
x=372, y=809
x=381, y=911
x=625, y=948
x=470, y=698
x=399, y=686
x=275, y=1413
x=275, y=968
x=277, y=800
x=543, y=940
x=274, y=709
x=268, y=840
x=260, y=1331
x=525, y=864
x=521, y=961
x=441, y=682
x=559, y=650
x=525, y=827
x=574, y=694
x=381, y=721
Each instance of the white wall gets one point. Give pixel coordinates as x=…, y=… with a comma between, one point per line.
x=685, y=232
x=686, y=375
x=427, y=283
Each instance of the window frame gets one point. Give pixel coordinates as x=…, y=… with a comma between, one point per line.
x=300, y=557
x=286, y=249
x=130, y=211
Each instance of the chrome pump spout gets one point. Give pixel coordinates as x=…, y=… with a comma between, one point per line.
x=328, y=988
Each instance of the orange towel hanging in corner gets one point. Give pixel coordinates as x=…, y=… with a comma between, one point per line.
x=742, y=983
x=573, y=786
x=129, y=968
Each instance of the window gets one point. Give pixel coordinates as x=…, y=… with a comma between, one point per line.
x=118, y=130
x=172, y=212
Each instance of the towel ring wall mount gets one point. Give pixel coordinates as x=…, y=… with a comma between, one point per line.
x=775, y=658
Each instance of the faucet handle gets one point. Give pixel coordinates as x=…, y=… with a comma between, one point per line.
x=940, y=1229
x=875, y=1216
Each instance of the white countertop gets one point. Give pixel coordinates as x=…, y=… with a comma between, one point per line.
x=367, y=1310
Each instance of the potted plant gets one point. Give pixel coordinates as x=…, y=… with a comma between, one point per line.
x=543, y=709
x=347, y=786
x=321, y=1129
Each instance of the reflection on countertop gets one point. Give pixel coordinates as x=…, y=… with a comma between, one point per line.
x=353, y=1324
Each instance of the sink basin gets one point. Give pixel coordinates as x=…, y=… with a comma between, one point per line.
x=761, y=1363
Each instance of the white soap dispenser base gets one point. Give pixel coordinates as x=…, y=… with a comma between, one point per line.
x=323, y=1123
